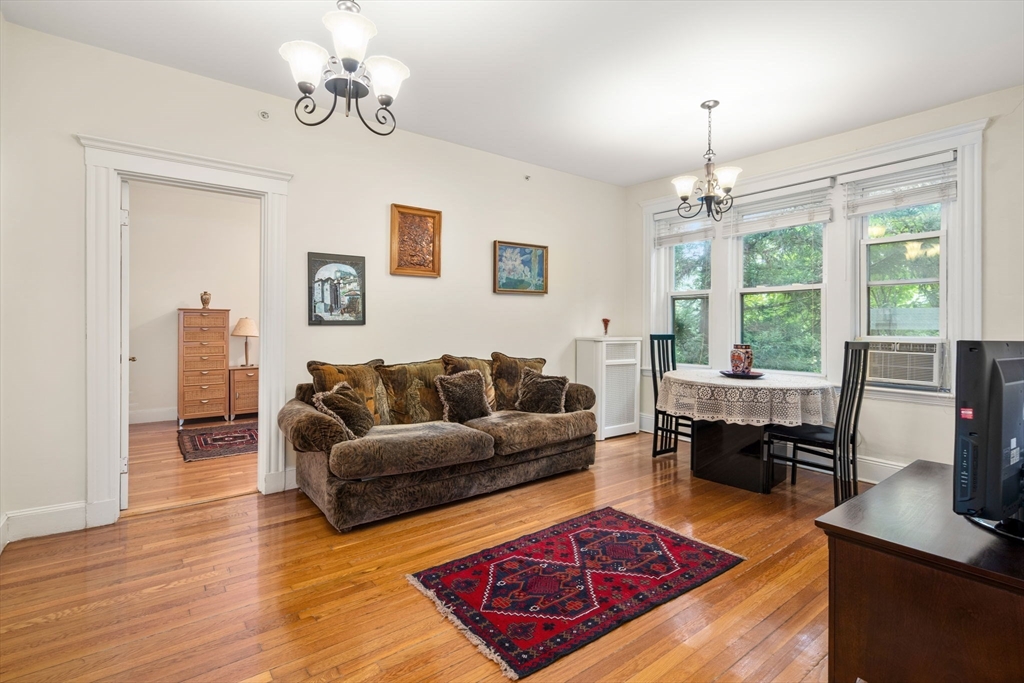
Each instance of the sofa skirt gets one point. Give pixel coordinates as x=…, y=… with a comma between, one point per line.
x=348, y=503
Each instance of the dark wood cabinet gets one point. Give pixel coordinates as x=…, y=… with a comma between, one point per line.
x=918, y=593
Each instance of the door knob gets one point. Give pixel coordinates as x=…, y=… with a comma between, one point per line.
x=132, y=359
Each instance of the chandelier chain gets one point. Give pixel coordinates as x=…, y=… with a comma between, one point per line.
x=710, y=153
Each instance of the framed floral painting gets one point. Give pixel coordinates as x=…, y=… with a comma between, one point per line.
x=520, y=268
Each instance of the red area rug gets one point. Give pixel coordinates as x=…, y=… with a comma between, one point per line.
x=203, y=443
x=531, y=601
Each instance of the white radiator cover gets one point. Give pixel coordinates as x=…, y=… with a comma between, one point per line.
x=611, y=367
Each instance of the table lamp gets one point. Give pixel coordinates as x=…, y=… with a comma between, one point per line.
x=245, y=327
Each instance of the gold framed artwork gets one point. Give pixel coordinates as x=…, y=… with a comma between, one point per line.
x=415, y=241
x=520, y=268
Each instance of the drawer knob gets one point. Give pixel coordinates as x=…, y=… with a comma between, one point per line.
x=204, y=329
x=203, y=357
x=204, y=372
x=204, y=343
x=206, y=401
x=205, y=387
x=204, y=314
x=250, y=374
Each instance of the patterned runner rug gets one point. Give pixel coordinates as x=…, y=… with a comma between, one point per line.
x=531, y=601
x=205, y=442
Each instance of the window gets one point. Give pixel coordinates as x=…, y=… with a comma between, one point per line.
x=902, y=272
x=780, y=297
x=691, y=286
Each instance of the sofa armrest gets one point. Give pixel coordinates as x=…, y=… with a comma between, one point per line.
x=304, y=392
x=308, y=429
x=579, y=397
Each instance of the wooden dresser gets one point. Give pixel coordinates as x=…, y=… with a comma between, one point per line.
x=202, y=363
x=244, y=390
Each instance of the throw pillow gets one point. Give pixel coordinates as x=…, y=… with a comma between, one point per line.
x=463, y=396
x=362, y=377
x=309, y=430
x=345, y=405
x=507, y=372
x=454, y=364
x=541, y=393
x=410, y=391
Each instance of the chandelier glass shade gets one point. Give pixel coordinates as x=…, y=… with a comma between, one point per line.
x=348, y=74
x=713, y=193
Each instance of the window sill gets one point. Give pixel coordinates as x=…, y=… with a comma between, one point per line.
x=927, y=398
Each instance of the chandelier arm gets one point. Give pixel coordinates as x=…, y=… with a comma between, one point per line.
x=680, y=209
x=310, y=106
x=383, y=116
x=726, y=203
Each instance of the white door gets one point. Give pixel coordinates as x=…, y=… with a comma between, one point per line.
x=126, y=358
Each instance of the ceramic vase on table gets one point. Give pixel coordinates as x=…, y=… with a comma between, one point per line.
x=741, y=358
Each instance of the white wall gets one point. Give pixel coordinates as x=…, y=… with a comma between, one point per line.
x=184, y=242
x=345, y=179
x=899, y=433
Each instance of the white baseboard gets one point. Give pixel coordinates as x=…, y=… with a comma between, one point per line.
x=46, y=520
x=646, y=423
x=152, y=415
x=873, y=470
x=3, y=532
x=102, y=512
x=275, y=482
x=289, y=479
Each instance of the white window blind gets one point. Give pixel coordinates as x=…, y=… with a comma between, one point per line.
x=782, y=208
x=670, y=229
x=923, y=184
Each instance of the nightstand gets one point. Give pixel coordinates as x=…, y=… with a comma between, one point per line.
x=245, y=390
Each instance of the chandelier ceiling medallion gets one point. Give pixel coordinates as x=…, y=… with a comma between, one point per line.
x=713, y=194
x=348, y=73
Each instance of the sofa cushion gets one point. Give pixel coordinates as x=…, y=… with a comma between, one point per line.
x=454, y=364
x=541, y=393
x=363, y=378
x=411, y=393
x=346, y=406
x=308, y=429
x=515, y=431
x=304, y=392
x=507, y=372
x=397, y=449
x=462, y=396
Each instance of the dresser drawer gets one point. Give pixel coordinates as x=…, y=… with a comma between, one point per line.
x=205, y=391
x=203, y=334
x=245, y=375
x=191, y=349
x=205, y=363
x=205, y=377
x=201, y=408
x=200, y=319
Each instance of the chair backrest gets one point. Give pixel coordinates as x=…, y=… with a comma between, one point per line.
x=855, y=371
x=663, y=358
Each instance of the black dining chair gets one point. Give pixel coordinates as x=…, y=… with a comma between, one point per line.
x=667, y=428
x=837, y=444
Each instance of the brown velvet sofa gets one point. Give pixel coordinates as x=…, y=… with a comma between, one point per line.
x=398, y=468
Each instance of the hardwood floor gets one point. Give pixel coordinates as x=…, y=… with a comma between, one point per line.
x=262, y=589
x=160, y=479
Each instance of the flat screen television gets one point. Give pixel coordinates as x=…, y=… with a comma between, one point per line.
x=988, y=477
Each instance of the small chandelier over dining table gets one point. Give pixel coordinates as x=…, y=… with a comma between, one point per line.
x=348, y=74
x=714, y=193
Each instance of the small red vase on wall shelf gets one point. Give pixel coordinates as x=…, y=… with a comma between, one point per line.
x=605, y=321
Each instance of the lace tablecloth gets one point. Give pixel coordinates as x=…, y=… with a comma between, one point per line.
x=776, y=398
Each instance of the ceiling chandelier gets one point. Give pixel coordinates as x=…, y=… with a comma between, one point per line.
x=348, y=73
x=713, y=194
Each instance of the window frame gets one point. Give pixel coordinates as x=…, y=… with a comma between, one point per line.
x=740, y=291
x=863, y=300
x=672, y=294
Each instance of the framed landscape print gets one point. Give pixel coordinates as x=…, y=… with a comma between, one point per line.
x=337, y=289
x=415, y=241
x=520, y=268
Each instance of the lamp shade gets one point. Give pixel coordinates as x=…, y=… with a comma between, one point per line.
x=351, y=33
x=306, y=59
x=386, y=75
x=245, y=327
x=684, y=185
x=727, y=176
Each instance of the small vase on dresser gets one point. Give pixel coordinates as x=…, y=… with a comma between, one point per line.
x=202, y=363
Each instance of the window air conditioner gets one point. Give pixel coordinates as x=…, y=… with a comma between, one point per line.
x=914, y=363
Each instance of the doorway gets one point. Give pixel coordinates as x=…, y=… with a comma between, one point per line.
x=192, y=434
x=108, y=163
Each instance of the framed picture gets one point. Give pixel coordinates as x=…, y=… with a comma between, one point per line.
x=520, y=268
x=415, y=241
x=337, y=289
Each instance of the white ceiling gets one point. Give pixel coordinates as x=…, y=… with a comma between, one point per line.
x=605, y=90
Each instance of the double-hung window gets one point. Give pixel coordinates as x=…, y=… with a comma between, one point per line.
x=902, y=221
x=684, y=249
x=782, y=278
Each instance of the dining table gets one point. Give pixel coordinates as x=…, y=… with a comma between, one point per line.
x=729, y=416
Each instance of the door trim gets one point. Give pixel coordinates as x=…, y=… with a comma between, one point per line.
x=107, y=163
